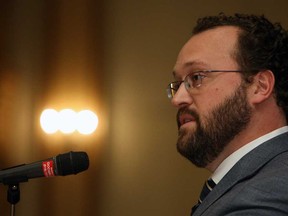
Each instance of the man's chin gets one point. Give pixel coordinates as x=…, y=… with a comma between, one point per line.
x=184, y=139
x=187, y=131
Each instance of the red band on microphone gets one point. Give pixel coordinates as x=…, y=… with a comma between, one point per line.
x=48, y=168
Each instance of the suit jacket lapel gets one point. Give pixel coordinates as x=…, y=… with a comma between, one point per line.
x=246, y=167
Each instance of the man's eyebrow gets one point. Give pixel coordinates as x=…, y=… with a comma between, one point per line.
x=197, y=64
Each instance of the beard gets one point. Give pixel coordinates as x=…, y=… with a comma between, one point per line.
x=213, y=133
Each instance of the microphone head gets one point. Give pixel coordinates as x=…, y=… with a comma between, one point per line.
x=72, y=163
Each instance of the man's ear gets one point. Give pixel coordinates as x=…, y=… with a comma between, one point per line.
x=262, y=86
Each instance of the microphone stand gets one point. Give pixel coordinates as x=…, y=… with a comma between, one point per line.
x=13, y=197
x=13, y=192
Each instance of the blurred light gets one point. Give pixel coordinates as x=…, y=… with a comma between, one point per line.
x=49, y=121
x=87, y=122
x=68, y=121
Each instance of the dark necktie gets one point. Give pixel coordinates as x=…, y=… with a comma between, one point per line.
x=207, y=188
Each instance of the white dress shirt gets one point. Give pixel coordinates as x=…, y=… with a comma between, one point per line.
x=232, y=159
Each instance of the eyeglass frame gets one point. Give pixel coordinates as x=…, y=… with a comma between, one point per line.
x=172, y=91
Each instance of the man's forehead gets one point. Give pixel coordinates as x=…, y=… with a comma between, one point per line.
x=221, y=41
x=217, y=33
x=195, y=64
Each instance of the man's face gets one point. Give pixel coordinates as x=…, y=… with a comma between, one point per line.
x=213, y=132
x=209, y=117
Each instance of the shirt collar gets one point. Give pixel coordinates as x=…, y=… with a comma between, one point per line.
x=232, y=159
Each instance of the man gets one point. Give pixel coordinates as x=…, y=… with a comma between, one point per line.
x=231, y=91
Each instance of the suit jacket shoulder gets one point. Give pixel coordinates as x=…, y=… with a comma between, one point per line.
x=256, y=185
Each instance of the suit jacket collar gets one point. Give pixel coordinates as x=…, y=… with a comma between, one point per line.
x=245, y=167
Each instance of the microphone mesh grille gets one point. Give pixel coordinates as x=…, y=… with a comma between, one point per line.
x=72, y=163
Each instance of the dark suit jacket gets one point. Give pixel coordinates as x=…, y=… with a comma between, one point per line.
x=256, y=185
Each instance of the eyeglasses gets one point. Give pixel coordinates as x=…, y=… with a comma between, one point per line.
x=192, y=80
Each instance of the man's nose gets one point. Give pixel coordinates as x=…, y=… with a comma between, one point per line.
x=182, y=97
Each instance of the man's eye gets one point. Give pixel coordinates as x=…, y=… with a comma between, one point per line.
x=197, y=77
x=176, y=85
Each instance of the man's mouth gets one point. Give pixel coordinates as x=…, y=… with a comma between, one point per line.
x=185, y=118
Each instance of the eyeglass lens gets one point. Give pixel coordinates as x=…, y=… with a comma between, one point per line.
x=191, y=81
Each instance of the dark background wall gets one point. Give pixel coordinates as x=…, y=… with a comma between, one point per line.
x=114, y=57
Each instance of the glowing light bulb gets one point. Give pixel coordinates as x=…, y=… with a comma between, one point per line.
x=87, y=122
x=67, y=121
x=49, y=121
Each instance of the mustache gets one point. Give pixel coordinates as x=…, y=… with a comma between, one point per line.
x=185, y=110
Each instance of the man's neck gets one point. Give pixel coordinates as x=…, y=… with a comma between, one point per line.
x=239, y=141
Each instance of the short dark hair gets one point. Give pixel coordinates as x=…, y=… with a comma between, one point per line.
x=261, y=45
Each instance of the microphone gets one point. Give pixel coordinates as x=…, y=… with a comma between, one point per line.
x=60, y=165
